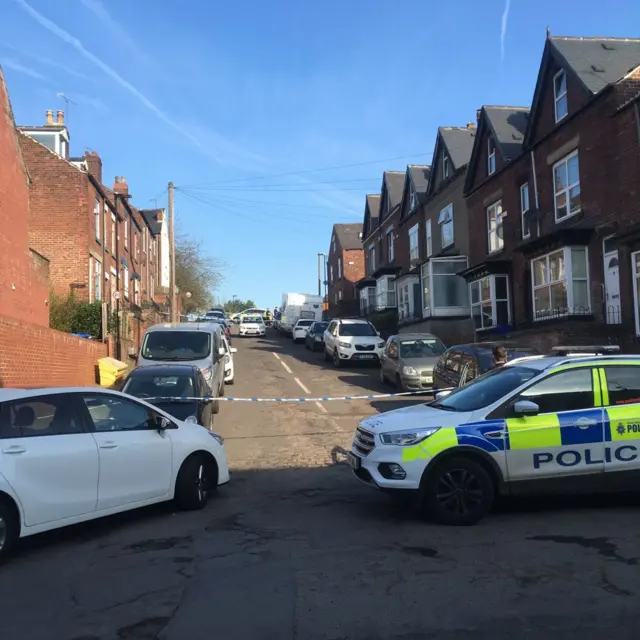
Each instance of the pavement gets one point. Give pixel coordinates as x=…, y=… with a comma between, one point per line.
x=295, y=548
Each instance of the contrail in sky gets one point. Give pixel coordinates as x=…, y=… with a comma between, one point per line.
x=503, y=30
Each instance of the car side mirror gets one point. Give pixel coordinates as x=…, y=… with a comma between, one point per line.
x=523, y=408
x=162, y=423
x=221, y=351
x=233, y=350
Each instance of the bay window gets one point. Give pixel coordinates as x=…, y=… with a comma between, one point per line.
x=560, y=283
x=445, y=293
x=489, y=298
x=386, y=292
x=367, y=299
x=566, y=187
x=414, y=247
x=445, y=220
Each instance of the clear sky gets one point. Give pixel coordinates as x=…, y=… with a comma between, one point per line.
x=222, y=98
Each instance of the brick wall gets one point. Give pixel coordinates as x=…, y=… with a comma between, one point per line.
x=61, y=217
x=39, y=356
x=23, y=295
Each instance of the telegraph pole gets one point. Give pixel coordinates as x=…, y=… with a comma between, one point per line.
x=172, y=258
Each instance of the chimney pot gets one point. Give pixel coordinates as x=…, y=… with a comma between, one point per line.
x=60, y=115
x=49, y=116
x=471, y=125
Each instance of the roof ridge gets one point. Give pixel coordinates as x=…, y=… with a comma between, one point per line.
x=595, y=38
x=504, y=106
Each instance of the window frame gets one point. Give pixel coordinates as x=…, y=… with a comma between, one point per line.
x=331, y=278
x=125, y=278
x=97, y=217
x=114, y=233
x=524, y=190
x=414, y=243
x=491, y=156
x=557, y=98
x=445, y=167
x=391, y=251
x=568, y=273
x=95, y=293
x=545, y=379
x=126, y=232
x=429, y=308
x=151, y=413
x=607, y=368
x=339, y=268
x=493, y=299
x=567, y=189
x=442, y=222
x=429, y=237
x=494, y=232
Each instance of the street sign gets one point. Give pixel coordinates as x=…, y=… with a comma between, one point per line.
x=116, y=295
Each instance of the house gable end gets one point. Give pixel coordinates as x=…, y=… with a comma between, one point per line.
x=439, y=153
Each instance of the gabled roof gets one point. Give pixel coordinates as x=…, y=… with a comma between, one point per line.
x=595, y=63
x=151, y=218
x=417, y=176
x=395, y=184
x=349, y=235
x=459, y=144
x=507, y=126
x=371, y=213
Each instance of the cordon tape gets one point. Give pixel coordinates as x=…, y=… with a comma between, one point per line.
x=318, y=399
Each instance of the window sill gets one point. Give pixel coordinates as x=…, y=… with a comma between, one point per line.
x=496, y=252
x=559, y=319
x=568, y=217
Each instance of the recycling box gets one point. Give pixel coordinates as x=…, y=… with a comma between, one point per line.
x=111, y=371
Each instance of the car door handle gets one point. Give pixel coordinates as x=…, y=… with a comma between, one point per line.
x=584, y=423
x=16, y=448
x=108, y=445
x=494, y=434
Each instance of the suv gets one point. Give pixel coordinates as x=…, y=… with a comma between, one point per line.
x=538, y=424
x=352, y=340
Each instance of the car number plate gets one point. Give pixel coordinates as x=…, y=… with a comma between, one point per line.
x=367, y=356
x=353, y=461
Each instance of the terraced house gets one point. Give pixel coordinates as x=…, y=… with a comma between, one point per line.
x=345, y=266
x=383, y=261
x=553, y=194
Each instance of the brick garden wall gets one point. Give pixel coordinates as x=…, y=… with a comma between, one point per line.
x=38, y=356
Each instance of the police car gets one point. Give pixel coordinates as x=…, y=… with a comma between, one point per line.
x=545, y=424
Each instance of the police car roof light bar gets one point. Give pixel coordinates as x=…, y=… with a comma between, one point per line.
x=607, y=349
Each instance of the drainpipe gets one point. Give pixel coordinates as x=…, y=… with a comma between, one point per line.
x=118, y=345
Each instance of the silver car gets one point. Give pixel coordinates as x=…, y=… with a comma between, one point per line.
x=408, y=360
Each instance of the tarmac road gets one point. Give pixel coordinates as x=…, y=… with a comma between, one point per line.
x=294, y=547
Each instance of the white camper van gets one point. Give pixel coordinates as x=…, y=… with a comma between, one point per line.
x=299, y=306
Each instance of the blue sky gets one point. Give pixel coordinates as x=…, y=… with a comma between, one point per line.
x=222, y=98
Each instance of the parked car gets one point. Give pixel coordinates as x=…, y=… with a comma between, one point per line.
x=198, y=344
x=229, y=365
x=315, y=336
x=299, y=331
x=172, y=388
x=252, y=326
x=75, y=454
x=462, y=363
x=408, y=360
x=352, y=340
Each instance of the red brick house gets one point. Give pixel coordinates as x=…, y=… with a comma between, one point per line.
x=377, y=289
x=23, y=272
x=345, y=266
x=553, y=193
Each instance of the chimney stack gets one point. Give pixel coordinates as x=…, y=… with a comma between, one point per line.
x=49, y=117
x=121, y=186
x=471, y=125
x=60, y=115
x=94, y=163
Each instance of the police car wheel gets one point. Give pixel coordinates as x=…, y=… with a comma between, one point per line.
x=458, y=491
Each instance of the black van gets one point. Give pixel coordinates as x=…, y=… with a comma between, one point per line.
x=459, y=365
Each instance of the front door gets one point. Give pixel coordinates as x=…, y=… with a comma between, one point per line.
x=48, y=459
x=566, y=438
x=135, y=459
x=612, y=288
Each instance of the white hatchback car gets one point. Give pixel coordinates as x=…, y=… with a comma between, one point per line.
x=252, y=326
x=75, y=454
x=352, y=340
x=299, y=331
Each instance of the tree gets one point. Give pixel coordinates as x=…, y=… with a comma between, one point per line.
x=236, y=306
x=196, y=273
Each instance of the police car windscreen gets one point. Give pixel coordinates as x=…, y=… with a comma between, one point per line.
x=486, y=389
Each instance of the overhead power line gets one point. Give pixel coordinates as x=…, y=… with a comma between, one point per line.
x=288, y=184
x=307, y=171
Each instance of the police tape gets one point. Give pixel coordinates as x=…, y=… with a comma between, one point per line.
x=293, y=400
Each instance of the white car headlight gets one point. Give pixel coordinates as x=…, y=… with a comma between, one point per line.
x=191, y=420
x=216, y=436
x=344, y=345
x=409, y=371
x=406, y=438
x=207, y=373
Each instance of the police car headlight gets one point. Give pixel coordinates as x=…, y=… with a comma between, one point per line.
x=409, y=371
x=406, y=438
